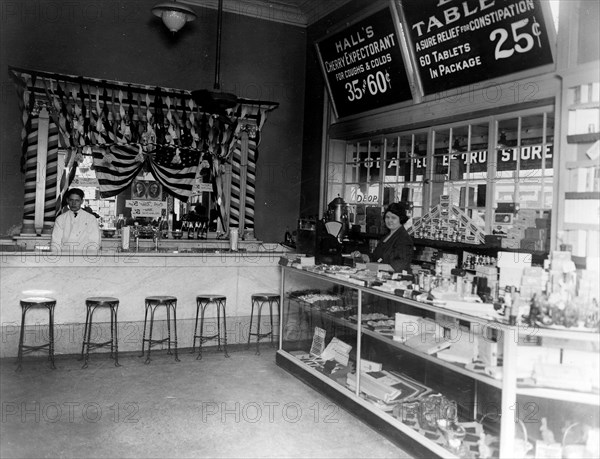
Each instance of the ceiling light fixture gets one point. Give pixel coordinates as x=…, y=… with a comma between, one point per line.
x=216, y=101
x=174, y=15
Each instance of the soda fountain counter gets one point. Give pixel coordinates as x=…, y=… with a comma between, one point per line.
x=179, y=268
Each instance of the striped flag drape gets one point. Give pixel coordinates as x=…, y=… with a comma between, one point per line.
x=115, y=172
x=127, y=128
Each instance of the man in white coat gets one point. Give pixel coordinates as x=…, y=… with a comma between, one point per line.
x=75, y=230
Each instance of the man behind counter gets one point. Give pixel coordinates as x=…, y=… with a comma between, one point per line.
x=75, y=230
x=396, y=248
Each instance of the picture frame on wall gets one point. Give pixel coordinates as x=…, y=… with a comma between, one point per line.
x=138, y=189
x=154, y=191
x=146, y=189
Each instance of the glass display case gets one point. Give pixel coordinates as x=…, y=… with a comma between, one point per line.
x=439, y=380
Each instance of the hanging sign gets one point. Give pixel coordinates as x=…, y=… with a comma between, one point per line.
x=80, y=182
x=363, y=65
x=201, y=187
x=457, y=43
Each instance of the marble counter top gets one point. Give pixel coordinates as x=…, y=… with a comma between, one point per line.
x=108, y=258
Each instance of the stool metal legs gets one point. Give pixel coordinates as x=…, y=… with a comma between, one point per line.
x=151, y=306
x=201, y=304
x=25, y=349
x=87, y=331
x=259, y=305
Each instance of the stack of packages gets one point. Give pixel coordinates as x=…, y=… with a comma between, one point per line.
x=589, y=287
x=426, y=253
x=562, y=277
x=524, y=219
x=537, y=237
x=533, y=282
x=490, y=273
x=445, y=264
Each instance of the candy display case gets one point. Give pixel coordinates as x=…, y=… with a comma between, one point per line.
x=437, y=380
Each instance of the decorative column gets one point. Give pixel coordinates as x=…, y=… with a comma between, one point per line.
x=42, y=158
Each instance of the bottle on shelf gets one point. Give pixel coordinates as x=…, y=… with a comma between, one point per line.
x=120, y=224
x=287, y=238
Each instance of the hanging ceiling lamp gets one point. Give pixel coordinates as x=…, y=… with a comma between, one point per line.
x=174, y=15
x=216, y=101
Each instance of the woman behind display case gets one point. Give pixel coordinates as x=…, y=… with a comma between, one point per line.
x=395, y=248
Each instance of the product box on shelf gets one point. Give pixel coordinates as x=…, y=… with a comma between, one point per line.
x=533, y=245
x=542, y=223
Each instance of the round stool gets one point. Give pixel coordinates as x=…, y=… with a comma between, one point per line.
x=202, y=301
x=92, y=304
x=259, y=300
x=26, y=305
x=153, y=302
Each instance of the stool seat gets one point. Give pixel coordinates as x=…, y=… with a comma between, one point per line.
x=31, y=303
x=153, y=302
x=37, y=301
x=202, y=301
x=265, y=296
x=92, y=303
x=101, y=300
x=161, y=299
x=209, y=297
x=259, y=300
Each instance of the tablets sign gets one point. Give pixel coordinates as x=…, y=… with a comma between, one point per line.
x=460, y=42
x=363, y=65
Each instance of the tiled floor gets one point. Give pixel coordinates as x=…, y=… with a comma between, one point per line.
x=241, y=407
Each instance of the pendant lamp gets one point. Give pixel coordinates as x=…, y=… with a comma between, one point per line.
x=216, y=101
x=174, y=15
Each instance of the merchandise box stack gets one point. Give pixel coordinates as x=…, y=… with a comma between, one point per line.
x=537, y=237
x=488, y=272
x=427, y=253
x=446, y=263
x=562, y=276
x=511, y=266
x=583, y=243
x=589, y=287
x=524, y=219
x=529, y=231
x=533, y=282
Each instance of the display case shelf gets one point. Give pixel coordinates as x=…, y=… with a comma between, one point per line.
x=564, y=395
x=583, y=138
x=583, y=163
x=449, y=379
x=458, y=368
x=582, y=195
x=480, y=248
x=568, y=334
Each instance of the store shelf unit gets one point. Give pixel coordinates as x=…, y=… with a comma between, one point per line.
x=537, y=257
x=497, y=396
x=579, y=188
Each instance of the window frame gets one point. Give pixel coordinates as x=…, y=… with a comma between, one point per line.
x=493, y=122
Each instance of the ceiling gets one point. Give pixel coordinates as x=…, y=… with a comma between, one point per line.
x=295, y=12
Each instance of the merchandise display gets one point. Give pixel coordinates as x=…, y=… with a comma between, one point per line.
x=446, y=373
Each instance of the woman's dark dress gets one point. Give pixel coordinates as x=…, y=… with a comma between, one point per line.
x=397, y=251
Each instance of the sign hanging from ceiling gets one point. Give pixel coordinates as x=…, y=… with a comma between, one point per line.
x=363, y=65
x=457, y=43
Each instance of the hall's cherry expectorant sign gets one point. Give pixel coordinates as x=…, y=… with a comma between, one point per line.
x=461, y=42
x=363, y=65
